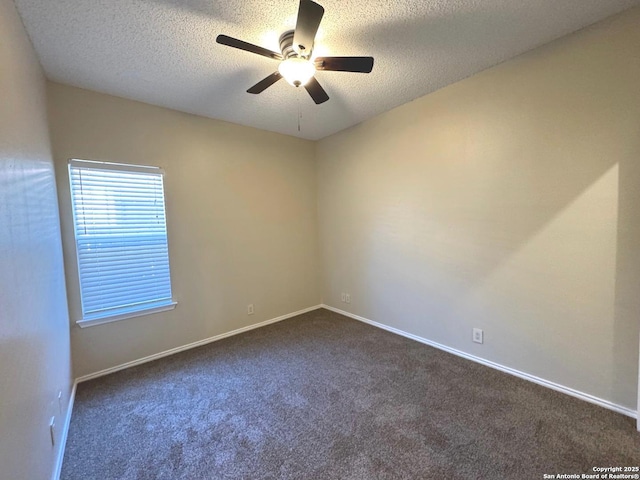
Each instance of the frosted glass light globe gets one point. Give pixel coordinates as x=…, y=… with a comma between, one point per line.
x=297, y=71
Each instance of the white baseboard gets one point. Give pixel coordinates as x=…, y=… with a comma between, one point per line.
x=65, y=432
x=199, y=343
x=532, y=378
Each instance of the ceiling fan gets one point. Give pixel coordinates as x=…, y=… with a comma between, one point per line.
x=296, y=63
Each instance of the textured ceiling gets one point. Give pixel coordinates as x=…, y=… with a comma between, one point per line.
x=163, y=52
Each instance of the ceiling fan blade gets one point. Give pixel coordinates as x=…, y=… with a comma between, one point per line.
x=248, y=47
x=345, y=64
x=265, y=83
x=309, y=17
x=316, y=91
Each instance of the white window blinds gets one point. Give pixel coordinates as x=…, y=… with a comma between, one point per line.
x=121, y=238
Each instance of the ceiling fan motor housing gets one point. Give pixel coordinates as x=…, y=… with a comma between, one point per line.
x=286, y=46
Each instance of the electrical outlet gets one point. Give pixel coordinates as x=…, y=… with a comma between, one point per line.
x=52, y=430
x=344, y=297
x=250, y=309
x=347, y=297
x=477, y=335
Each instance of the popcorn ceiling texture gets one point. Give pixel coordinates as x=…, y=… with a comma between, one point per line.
x=163, y=52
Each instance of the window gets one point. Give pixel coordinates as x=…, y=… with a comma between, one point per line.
x=121, y=240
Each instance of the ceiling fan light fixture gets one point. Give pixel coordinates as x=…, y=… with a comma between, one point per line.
x=297, y=71
x=296, y=47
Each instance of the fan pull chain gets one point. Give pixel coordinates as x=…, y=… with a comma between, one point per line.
x=299, y=111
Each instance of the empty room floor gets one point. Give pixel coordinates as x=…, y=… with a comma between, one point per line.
x=322, y=396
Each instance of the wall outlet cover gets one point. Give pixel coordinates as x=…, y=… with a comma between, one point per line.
x=478, y=335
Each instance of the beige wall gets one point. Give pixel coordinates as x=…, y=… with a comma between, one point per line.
x=34, y=332
x=509, y=202
x=241, y=219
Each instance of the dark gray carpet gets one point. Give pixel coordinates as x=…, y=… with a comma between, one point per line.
x=321, y=396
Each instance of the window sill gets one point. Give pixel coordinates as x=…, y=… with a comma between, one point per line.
x=116, y=318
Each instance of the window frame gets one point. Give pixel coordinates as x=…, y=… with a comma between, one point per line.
x=88, y=320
